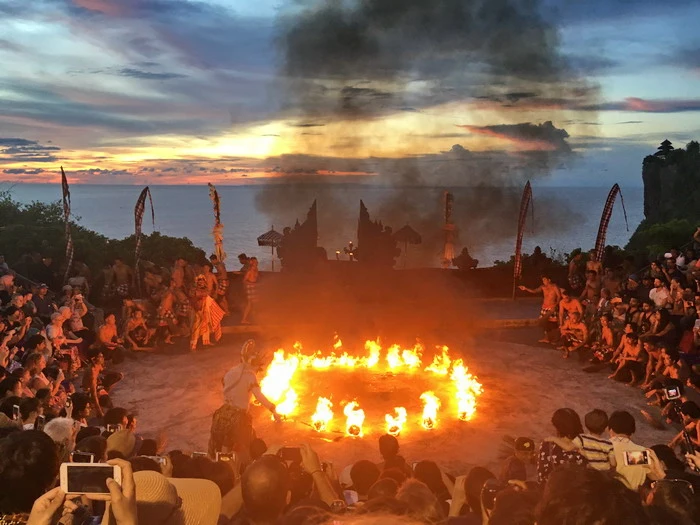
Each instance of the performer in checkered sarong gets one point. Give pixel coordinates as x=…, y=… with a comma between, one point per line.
x=207, y=315
x=231, y=426
x=222, y=283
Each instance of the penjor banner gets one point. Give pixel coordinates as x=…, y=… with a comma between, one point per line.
x=605, y=221
x=524, y=204
x=66, y=219
x=218, y=231
x=138, y=221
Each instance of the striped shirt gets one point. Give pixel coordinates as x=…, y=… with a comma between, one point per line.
x=596, y=450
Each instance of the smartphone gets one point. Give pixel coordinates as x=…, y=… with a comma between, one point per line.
x=199, y=455
x=292, y=454
x=114, y=428
x=88, y=478
x=697, y=324
x=672, y=393
x=69, y=402
x=82, y=457
x=40, y=422
x=225, y=456
x=158, y=459
x=16, y=414
x=636, y=457
x=351, y=497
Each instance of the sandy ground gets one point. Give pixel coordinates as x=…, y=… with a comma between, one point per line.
x=523, y=385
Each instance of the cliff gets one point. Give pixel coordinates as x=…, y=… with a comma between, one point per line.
x=671, y=199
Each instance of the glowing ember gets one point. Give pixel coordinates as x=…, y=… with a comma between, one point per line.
x=467, y=388
x=355, y=419
x=394, y=424
x=431, y=404
x=284, y=375
x=323, y=414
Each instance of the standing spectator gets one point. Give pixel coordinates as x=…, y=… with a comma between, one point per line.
x=621, y=426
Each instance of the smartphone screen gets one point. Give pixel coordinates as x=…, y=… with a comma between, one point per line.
x=113, y=428
x=636, y=457
x=158, y=459
x=82, y=457
x=88, y=479
x=69, y=402
x=15, y=412
x=290, y=454
x=40, y=422
x=673, y=393
x=225, y=456
x=200, y=455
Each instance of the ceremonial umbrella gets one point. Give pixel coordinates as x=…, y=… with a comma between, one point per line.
x=272, y=239
x=407, y=235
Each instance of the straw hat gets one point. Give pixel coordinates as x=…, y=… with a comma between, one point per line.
x=173, y=501
x=122, y=441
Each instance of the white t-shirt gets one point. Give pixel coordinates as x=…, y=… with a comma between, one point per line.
x=659, y=296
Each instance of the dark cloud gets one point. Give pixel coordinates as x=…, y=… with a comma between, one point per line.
x=534, y=137
x=148, y=75
x=688, y=58
x=641, y=105
x=22, y=171
x=22, y=150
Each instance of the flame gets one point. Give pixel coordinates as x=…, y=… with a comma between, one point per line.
x=355, y=419
x=431, y=404
x=393, y=357
x=394, y=425
x=277, y=383
x=323, y=414
x=374, y=350
x=441, y=362
x=283, y=376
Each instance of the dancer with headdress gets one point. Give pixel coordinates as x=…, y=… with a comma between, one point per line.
x=232, y=425
x=207, y=315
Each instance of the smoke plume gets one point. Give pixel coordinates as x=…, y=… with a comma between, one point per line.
x=357, y=61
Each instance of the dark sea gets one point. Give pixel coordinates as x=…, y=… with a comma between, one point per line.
x=564, y=218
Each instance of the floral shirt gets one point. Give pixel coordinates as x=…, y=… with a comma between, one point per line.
x=550, y=456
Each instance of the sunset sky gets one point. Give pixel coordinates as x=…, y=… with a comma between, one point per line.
x=232, y=91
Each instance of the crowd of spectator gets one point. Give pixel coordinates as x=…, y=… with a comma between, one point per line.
x=58, y=354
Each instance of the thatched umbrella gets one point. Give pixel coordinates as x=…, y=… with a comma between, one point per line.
x=407, y=235
x=272, y=239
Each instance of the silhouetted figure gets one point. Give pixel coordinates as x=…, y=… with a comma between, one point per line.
x=376, y=244
x=464, y=261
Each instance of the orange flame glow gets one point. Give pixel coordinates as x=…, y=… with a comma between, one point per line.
x=431, y=404
x=467, y=390
x=323, y=414
x=355, y=419
x=283, y=377
x=394, y=424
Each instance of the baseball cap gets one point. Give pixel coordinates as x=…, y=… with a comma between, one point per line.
x=615, y=300
x=634, y=277
x=524, y=444
x=43, y=285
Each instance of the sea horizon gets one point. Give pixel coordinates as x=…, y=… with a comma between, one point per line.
x=248, y=211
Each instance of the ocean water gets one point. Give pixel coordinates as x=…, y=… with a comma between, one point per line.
x=565, y=218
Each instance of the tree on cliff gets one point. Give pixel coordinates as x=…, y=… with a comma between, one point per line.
x=671, y=198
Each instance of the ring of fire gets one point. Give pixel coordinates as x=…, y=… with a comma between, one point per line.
x=451, y=391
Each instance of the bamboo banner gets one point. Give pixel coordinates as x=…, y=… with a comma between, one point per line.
x=218, y=231
x=138, y=221
x=605, y=221
x=66, y=219
x=524, y=204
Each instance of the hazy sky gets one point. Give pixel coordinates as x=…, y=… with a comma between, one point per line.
x=436, y=92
